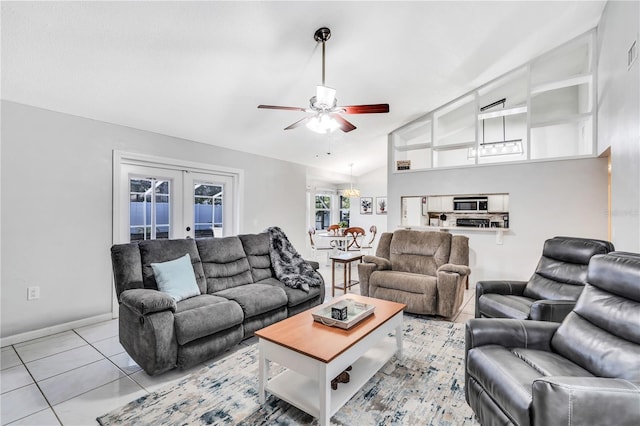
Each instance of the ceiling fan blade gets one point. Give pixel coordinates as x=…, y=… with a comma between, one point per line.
x=365, y=109
x=345, y=126
x=282, y=107
x=298, y=123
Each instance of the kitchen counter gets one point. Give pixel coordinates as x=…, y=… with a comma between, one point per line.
x=499, y=231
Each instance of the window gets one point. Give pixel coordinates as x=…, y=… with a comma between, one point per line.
x=345, y=204
x=149, y=209
x=323, y=211
x=208, y=209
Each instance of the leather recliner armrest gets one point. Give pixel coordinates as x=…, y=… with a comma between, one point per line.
x=510, y=333
x=551, y=310
x=586, y=400
x=146, y=301
x=380, y=262
x=515, y=288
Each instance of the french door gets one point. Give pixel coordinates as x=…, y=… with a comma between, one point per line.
x=163, y=201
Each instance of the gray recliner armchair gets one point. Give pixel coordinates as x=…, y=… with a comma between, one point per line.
x=551, y=292
x=583, y=371
x=426, y=271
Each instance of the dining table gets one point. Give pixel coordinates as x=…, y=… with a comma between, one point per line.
x=341, y=240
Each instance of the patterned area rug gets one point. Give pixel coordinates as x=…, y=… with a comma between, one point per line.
x=425, y=387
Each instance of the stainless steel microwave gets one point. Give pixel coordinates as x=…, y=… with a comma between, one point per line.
x=470, y=204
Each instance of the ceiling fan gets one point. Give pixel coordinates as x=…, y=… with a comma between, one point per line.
x=326, y=116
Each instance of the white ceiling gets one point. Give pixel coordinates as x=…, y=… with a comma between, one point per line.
x=198, y=70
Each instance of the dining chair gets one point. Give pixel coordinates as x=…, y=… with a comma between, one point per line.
x=329, y=250
x=333, y=228
x=368, y=247
x=352, y=243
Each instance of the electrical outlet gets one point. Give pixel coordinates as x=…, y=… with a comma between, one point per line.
x=33, y=293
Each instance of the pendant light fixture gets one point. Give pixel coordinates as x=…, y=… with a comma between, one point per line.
x=351, y=192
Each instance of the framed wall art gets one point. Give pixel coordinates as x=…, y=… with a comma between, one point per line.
x=381, y=205
x=366, y=205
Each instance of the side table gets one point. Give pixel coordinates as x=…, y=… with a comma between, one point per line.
x=345, y=259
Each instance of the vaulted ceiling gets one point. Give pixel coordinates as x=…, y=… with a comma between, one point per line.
x=198, y=70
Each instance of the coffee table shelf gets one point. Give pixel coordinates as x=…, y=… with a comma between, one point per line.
x=302, y=391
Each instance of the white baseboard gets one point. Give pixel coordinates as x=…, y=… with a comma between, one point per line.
x=35, y=334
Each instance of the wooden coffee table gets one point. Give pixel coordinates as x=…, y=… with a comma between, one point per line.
x=314, y=353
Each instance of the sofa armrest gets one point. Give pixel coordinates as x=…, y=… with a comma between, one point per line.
x=380, y=262
x=146, y=301
x=458, y=269
x=510, y=333
x=586, y=400
x=315, y=265
x=551, y=310
x=364, y=274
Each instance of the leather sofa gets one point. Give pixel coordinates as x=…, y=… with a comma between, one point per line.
x=426, y=271
x=239, y=295
x=583, y=371
x=552, y=290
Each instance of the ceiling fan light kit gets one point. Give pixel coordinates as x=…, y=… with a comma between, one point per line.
x=323, y=105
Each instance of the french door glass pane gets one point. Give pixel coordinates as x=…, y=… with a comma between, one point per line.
x=149, y=201
x=208, y=205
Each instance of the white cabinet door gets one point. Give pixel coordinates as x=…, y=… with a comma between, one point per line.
x=498, y=203
x=447, y=204
x=434, y=204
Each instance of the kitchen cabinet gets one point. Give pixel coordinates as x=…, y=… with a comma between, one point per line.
x=440, y=204
x=498, y=203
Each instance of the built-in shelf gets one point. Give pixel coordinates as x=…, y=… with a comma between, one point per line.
x=571, y=119
x=537, y=104
x=413, y=147
x=569, y=82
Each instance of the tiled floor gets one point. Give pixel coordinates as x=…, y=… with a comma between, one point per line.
x=73, y=377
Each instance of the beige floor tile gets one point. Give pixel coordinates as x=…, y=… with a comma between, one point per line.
x=83, y=409
x=41, y=418
x=14, y=378
x=53, y=365
x=68, y=385
x=46, y=346
x=21, y=403
x=101, y=331
x=9, y=358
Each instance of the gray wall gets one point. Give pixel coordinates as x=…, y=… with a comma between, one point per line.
x=546, y=199
x=619, y=118
x=57, y=160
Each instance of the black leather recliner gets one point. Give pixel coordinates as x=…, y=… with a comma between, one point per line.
x=583, y=371
x=551, y=292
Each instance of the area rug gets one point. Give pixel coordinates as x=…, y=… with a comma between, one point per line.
x=425, y=388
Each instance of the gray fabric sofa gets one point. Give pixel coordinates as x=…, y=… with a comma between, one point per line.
x=551, y=292
x=425, y=270
x=239, y=295
x=583, y=371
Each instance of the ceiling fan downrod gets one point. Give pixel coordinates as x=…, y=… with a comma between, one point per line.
x=322, y=35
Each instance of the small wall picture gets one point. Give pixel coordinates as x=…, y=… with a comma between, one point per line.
x=381, y=205
x=366, y=205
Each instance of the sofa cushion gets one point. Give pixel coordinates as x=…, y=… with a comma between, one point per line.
x=157, y=251
x=204, y=315
x=295, y=296
x=256, y=247
x=176, y=278
x=507, y=375
x=256, y=299
x=404, y=281
x=224, y=263
x=495, y=305
x=419, y=252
